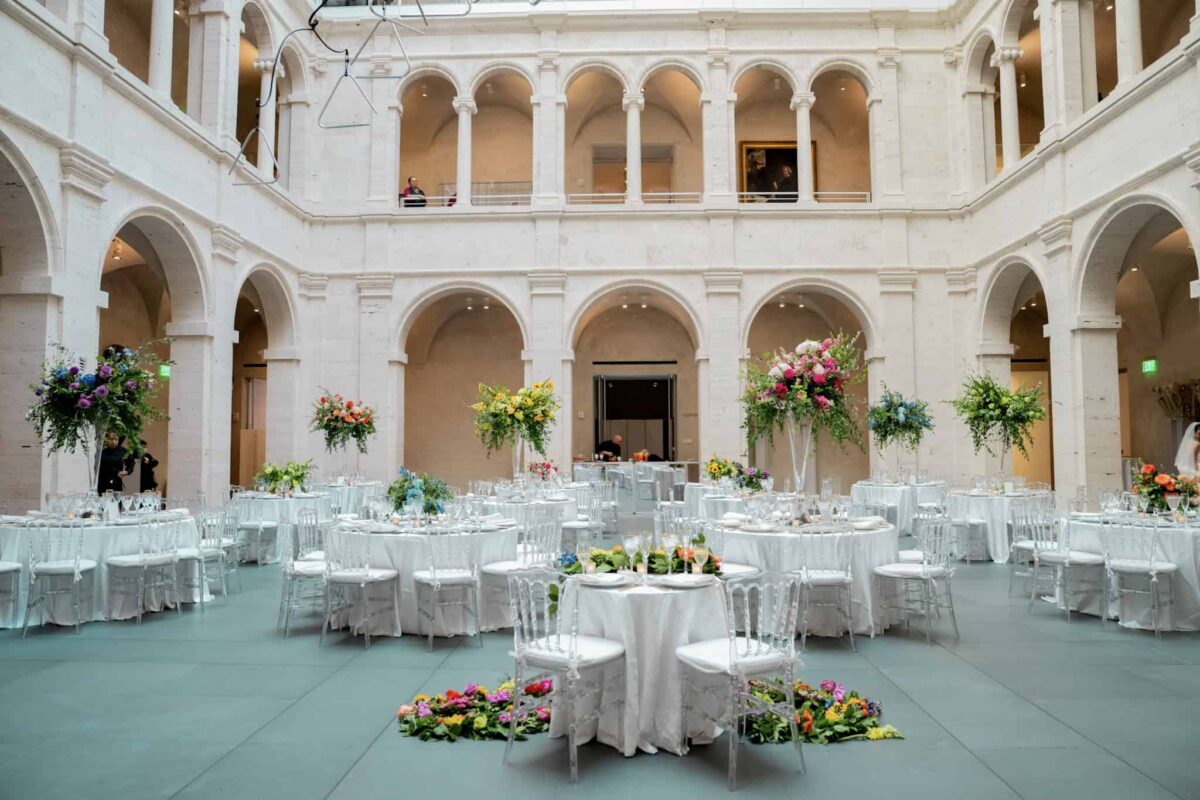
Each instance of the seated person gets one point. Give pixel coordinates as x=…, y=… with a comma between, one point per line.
x=610, y=450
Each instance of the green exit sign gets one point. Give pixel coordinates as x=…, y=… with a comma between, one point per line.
x=164, y=370
x=1149, y=366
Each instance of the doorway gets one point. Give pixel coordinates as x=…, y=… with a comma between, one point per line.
x=640, y=408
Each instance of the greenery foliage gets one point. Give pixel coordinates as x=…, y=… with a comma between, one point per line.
x=501, y=416
x=273, y=476
x=894, y=419
x=997, y=416
x=429, y=492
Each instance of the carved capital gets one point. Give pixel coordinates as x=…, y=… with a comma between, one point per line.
x=375, y=287
x=633, y=99
x=897, y=281
x=960, y=281
x=1056, y=235
x=547, y=283
x=314, y=286
x=84, y=171
x=802, y=99
x=888, y=57
x=466, y=104
x=226, y=243
x=723, y=282
x=1006, y=55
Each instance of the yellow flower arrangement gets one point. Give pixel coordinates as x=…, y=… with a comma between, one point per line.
x=502, y=416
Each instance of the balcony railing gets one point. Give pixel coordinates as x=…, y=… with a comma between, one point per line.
x=658, y=198
x=842, y=197
x=596, y=199
x=494, y=193
x=792, y=197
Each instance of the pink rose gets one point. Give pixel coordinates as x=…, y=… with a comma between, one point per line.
x=818, y=377
x=789, y=374
x=780, y=389
x=823, y=402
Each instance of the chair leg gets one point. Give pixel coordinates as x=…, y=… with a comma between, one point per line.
x=950, y=601
x=1066, y=584
x=1154, y=606
x=735, y=731
x=1033, y=580
x=925, y=600
x=366, y=610
x=325, y=616
x=287, y=608
x=806, y=591
x=849, y=618
x=432, y=614
x=795, y=729
x=518, y=681
x=568, y=683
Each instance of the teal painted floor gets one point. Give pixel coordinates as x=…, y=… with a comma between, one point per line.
x=221, y=706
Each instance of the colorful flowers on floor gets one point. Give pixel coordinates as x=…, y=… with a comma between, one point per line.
x=476, y=712
x=825, y=714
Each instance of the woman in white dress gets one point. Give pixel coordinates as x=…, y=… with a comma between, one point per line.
x=1187, y=459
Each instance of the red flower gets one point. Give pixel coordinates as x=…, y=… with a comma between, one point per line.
x=324, y=400
x=780, y=389
x=805, y=719
x=1148, y=469
x=452, y=695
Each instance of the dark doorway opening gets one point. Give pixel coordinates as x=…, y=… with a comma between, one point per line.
x=640, y=408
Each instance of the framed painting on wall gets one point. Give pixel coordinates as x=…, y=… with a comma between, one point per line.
x=768, y=171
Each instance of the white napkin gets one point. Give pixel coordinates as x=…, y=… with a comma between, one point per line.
x=866, y=523
x=733, y=516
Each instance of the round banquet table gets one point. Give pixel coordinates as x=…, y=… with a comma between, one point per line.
x=282, y=510
x=346, y=496
x=781, y=552
x=904, y=497
x=994, y=510
x=651, y=621
x=407, y=551
x=1179, y=544
x=517, y=510
x=100, y=542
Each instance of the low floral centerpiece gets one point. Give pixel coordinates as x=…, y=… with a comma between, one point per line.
x=292, y=476
x=752, y=479
x=1156, y=486
x=341, y=420
x=748, y=478
x=896, y=420
x=517, y=418
x=999, y=417
x=800, y=392
x=411, y=489
x=717, y=468
x=544, y=470
x=476, y=712
x=74, y=406
x=825, y=714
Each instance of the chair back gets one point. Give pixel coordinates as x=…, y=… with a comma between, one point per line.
x=211, y=527
x=760, y=617
x=825, y=551
x=542, y=613
x=451, y=551
x=306, y=534
x=542, y=540
x=55, y=541
x=231, y=514
x=1132, y=537
x=158, y=537
x=1033, y=522
x=935, y=538
x=348, y=550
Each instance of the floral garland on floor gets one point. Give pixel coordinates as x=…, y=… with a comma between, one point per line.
x=474, y=713
x=341, y=420
x=824, y=715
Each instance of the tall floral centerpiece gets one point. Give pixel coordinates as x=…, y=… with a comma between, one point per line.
x=998, y=417
x=342, y=420
x=895, y=420
x=801, y=391
x=74, y=406
x=518, y=418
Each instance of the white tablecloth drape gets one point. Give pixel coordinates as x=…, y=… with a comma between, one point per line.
x=651, y=622
x=517, y=510
x=904, y=497
x=995, y=510
x=282, y=510
x=1177, y=544
x=782, y=552
x=347, y=496
x=100, y=542
x=408, y=553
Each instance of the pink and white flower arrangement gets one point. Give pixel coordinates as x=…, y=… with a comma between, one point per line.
x=544, y=470
x=805, y=384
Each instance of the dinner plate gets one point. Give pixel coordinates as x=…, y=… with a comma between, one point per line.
x=759, y=527
x=602, y=579
x=684, y=580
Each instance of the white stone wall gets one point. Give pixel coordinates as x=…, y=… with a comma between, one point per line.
x=350, y=272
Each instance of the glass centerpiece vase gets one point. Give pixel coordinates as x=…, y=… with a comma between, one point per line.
x=518, y=456
x=799, y=436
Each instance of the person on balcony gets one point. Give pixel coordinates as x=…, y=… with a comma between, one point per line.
x=413, y=195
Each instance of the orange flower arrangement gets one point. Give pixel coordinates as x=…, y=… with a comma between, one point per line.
x=341, y=420
x=1155, y=486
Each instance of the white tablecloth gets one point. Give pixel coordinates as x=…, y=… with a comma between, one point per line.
x=904, y=497
x=782, y=552
x=517, y=510
x=100, y=542
x=282, y=510
x=651, y=622
x=994, y=510
x=408, y=553
x=1179, y=545
x=347, y=496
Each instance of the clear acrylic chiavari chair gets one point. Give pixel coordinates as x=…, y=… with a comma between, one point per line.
x=255, y=531
x=1073, y=572
x=547, y=644
x=194, y=560
x=759, y=644
x=921, y=583
x=1135, y=565
x=451, y=579
x=55, y=558
x=304, y=568
x=352, y=585
x=827, y=569
x=153, y=570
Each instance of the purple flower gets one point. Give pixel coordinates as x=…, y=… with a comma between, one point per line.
x=501, y=696
x=471, y=689
x=75, y=385
x=105, y=371
x=37, y=392
x=839, y=693
x=131, y=385
x=84, y=402
x=423, y=710
x=504, y=717
x=74, y=370
x=828, y=686
x=543, y=713
x=101, y=391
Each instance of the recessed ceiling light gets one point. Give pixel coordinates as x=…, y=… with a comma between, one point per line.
x=799, y=305
x=470, y=308
x=1133, y=269
x=782, y=304
x=624, y=305
x=643, y=305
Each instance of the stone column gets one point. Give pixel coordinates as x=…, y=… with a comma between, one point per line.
x=889, y=184
x=375, y=359
x=720, y=361
x=978, y=169
x=84, y=22
x=716, y=118
x=284, y=139
x=802, y=103
x=383, y=172
x=285, y=427
x=1088, y=79
x=949, y=444
x=318, y=349
x=266, y=117
x=1004, y=58
x=548, y=357
x=226, y=246
x=1051, y=43
x=162, y=36
x=1129, y=39
x=633, y=103
x=465, y=108
x=547, y=133
x=189, y=448
x=897, y=289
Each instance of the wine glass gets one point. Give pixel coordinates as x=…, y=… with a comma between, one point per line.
x=700, y=558
x=1173, y=501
